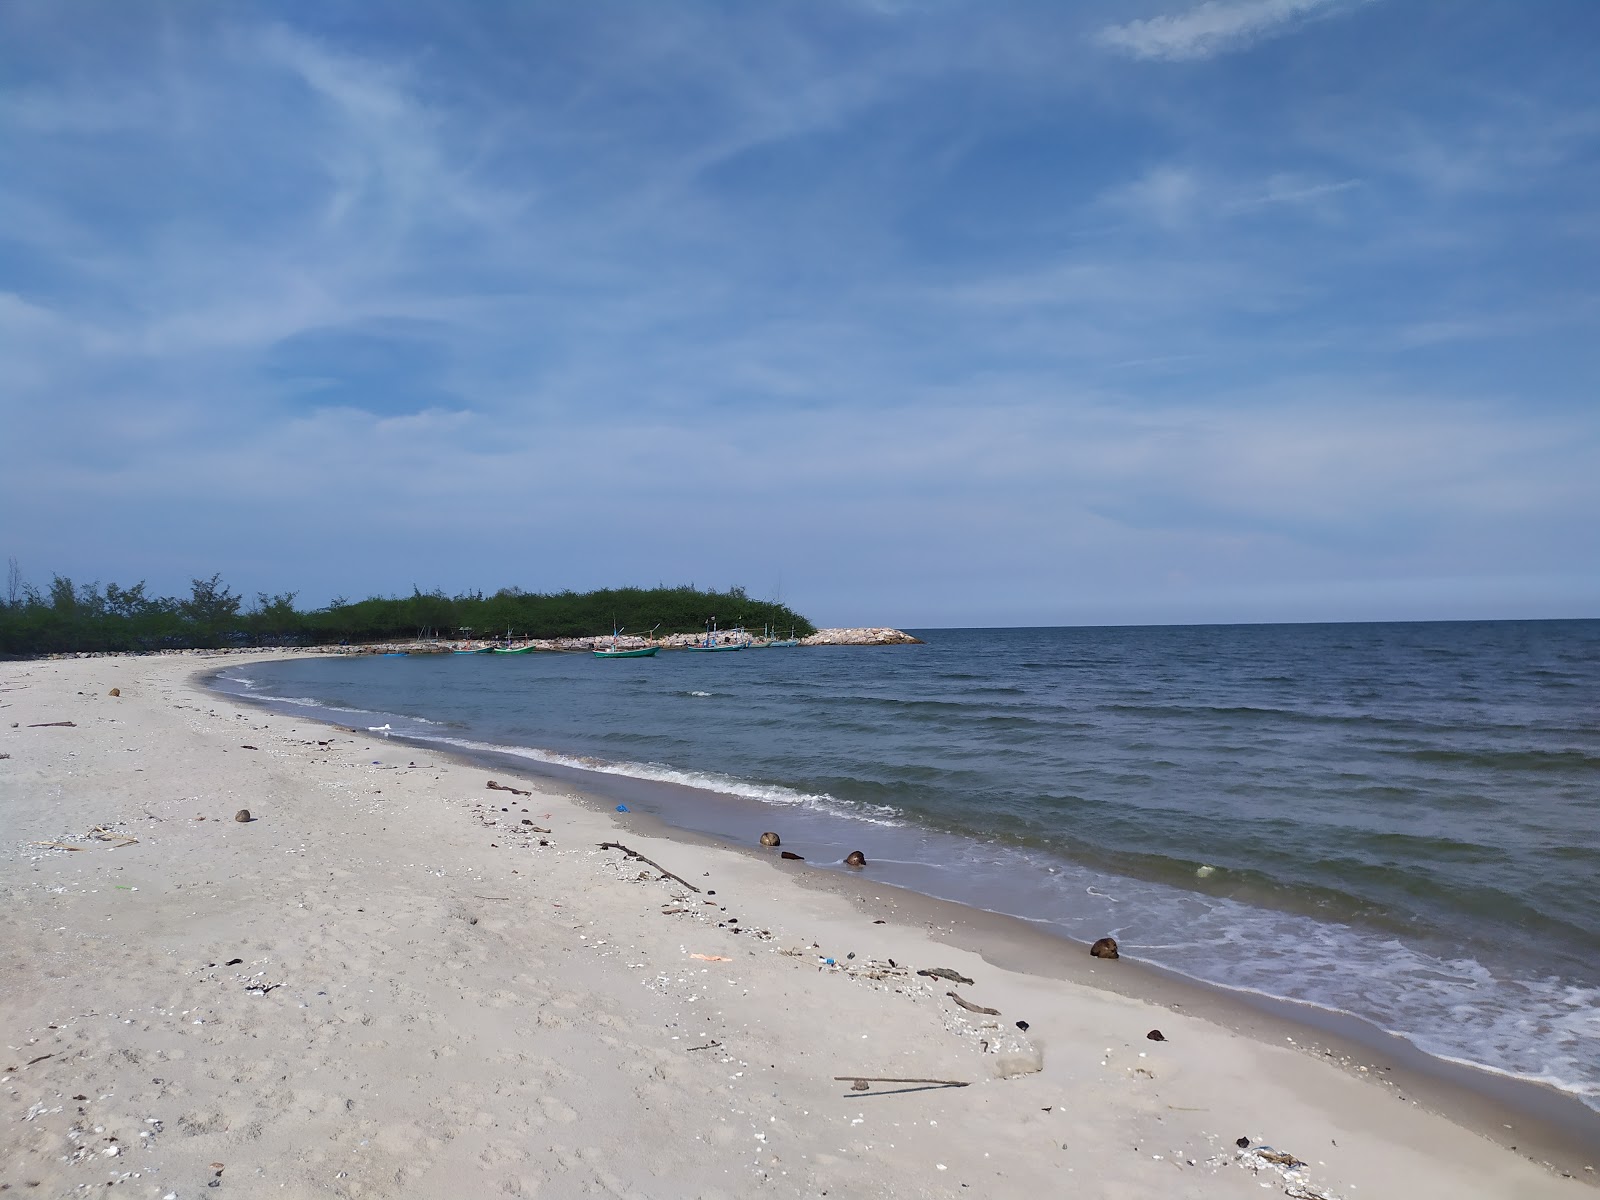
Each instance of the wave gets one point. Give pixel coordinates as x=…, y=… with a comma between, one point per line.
x=1561, y=761
x=1541, y=1030
x=707, y=781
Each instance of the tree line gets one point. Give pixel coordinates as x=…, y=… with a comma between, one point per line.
x=72, y=617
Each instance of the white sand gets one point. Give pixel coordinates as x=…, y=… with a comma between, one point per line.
x=457, y=1011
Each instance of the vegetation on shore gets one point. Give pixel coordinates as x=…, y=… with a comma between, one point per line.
x=69, y=617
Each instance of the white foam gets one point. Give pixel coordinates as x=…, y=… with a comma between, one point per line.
x=1453, y=1007
x=872, y=814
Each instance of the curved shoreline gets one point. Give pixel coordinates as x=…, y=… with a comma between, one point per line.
x=1534, y=1119
x=386, y=980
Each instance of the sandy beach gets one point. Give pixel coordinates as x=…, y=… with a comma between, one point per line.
x=393, y=980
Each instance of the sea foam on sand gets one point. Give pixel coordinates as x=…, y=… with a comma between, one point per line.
x=395, y=981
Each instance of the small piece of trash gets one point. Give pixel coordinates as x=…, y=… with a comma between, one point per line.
x=715, y=958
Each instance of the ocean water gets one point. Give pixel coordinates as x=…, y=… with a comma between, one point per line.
x=1397, y=821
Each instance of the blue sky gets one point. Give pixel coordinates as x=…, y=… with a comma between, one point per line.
x=925, y=312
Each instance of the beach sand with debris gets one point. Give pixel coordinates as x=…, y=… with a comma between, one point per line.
x=393, y=980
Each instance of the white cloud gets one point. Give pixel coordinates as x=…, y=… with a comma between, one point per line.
x=1209, y=29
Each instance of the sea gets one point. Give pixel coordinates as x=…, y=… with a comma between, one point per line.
x=1398, y=822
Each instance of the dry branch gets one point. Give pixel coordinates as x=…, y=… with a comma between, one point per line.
x=970, y=1007
x=656, y=865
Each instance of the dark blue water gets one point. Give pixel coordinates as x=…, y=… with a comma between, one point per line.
x=1398, y=821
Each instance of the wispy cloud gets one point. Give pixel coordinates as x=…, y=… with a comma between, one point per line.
x=1212, y=28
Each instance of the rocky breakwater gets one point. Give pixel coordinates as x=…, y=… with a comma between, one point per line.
x=861, y=637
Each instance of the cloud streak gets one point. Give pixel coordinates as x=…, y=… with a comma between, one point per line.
x=1212, y=28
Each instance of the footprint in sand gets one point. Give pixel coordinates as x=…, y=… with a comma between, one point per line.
x=555, y=1110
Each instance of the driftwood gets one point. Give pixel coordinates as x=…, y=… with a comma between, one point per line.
x=54, y=724
x=946, y=973
x=56, y=845
x=859, y=1082
x=500, y=787
x=656, y=865
x=976, y=1008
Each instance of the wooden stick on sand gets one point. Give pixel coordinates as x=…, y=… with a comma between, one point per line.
x=643, y=859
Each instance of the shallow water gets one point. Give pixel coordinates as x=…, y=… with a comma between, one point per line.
x=1397, y=821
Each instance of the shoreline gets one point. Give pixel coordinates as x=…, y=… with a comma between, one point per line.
x=345, y=823
x=1497, y=1105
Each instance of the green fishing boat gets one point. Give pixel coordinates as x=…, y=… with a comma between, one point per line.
x=617, y=650
x=512, y=649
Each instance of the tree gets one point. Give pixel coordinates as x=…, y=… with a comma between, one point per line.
x=211, y=609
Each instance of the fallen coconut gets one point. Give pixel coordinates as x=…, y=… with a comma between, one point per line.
x=243, y=816
x=770, y=839
x=1105, y=948
x=855, y=859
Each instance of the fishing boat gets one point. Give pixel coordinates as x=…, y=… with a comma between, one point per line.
x=710, y=644
x=784, y=643
x=528, y=649
x=616, y=650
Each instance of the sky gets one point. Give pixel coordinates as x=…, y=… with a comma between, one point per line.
x=907, y=312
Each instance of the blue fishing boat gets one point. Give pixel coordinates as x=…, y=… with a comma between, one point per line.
x=710, y=644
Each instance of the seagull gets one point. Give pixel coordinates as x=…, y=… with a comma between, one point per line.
x=383, y=729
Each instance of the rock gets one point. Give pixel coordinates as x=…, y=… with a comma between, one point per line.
x=243, y=816
x=855, y=859
x=116, y=691
x=861, y=637
x=1105, y=948
x=1155, y=1035
x=770, y=839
